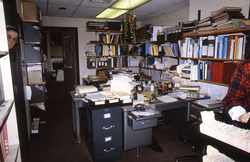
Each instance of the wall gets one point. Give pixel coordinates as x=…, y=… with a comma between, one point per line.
x=170, y=19
x=207, y=6
x=83, y=38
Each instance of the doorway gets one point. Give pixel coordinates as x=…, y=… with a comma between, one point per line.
x=60, y=48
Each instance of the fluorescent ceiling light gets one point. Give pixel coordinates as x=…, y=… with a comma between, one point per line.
x=111, y=13
x=128, y=4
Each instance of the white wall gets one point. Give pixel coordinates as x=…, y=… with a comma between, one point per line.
x=207, y=6
x=170, y=19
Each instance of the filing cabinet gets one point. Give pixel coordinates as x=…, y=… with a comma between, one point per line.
x=104, y=132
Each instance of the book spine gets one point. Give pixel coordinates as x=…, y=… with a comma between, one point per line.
x=6, y=141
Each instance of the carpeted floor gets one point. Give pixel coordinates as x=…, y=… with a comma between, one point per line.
x=57, y=142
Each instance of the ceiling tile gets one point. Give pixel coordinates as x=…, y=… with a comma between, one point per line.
x=66, y=2
x=89, y=12
x=43, y=8
x=37, y=1
x=98, y=5
x=54, y=10
x=87, y=9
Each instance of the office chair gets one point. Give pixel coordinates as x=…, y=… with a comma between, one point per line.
x=188, y=133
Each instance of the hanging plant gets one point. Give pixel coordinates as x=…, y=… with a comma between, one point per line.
x=129, y=29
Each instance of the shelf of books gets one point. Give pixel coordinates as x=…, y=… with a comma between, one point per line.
x=9, y=140
x=217, y=45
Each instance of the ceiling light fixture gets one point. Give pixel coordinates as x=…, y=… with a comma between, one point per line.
x=127, y=4
x=119, y=7
x=111, y=13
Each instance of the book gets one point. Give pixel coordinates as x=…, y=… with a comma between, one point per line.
x=220, y=50
x=229, y=68
x=231, y=46
x=190, y=87
x=209, y=70
x=219, y=72
x=214, y=71
x=155, y=50
x=211, y=44
x=225, y=47
x=6, y=141
x=204, y=46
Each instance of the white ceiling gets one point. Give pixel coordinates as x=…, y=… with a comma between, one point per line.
x=87, y=9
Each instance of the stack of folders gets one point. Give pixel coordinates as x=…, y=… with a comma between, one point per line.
x=210, y=103
x=83, y=89
x=214, y=155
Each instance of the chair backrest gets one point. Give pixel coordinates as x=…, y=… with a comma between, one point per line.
x=189, y=130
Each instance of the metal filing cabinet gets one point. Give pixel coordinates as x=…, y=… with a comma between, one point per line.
x=104, y=132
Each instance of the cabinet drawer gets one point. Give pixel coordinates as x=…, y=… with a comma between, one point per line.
x=141, y=124
x=108, y=144
x=107, y=119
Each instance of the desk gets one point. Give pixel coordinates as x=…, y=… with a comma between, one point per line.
x=76, y=103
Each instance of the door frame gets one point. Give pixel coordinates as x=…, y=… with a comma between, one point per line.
x=76, y=57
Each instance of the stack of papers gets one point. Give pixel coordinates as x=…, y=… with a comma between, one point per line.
x=167, y=99
x=210, y=103
x=82, y=89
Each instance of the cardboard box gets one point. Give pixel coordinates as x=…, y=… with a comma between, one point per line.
x=29, y=12
x=101, y=73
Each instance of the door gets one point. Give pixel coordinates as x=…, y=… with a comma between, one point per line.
x=70, y=60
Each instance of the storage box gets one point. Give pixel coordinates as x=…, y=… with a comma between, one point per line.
x=101, y=73
x=29, y=12
x=141, y=34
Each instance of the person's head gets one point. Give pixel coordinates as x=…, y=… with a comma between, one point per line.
x=12, y=36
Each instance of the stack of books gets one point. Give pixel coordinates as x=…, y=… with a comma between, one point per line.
x=226, y=18
x=189, y=27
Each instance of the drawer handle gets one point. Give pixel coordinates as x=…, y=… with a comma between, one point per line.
x=145, y=122
x=112, y=126
x=105, y=150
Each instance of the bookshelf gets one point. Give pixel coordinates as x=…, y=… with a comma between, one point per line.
x=224, y=51
x=31, y=21
x=8, y=121
x=110, y=50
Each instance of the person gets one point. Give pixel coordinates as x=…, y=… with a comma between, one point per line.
x=12, y=35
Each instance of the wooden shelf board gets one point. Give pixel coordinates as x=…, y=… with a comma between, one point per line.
x=218, y=33
x=111, y=31
x=111, y=56
x=5, y=109
x=210, y=58
x=222, y=84
x=109, y=43
x=13, y=153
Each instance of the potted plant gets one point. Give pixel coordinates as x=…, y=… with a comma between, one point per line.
x=129, y=29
